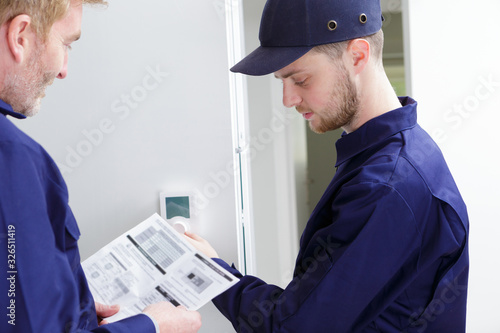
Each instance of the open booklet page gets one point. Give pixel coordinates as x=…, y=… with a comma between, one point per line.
x=151, y=263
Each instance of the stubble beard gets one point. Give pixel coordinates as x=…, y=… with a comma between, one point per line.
x=342, y=108
x=25, y=90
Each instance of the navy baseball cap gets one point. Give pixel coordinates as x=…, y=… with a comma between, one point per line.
x=291, y=28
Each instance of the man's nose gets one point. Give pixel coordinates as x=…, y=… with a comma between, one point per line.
x=64, y=70
x=290, y=96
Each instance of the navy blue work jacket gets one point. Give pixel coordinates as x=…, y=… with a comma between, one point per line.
x=43, y=287
x=385, y=250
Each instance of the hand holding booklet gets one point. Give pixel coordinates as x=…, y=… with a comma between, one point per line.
x=151, y=263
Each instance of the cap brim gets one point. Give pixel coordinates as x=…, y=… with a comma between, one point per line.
x=267, y=60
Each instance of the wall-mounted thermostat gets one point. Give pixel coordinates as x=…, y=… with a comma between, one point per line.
x=176, y=210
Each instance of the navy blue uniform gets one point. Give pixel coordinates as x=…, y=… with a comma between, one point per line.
x=385, y=250
x=42, y=285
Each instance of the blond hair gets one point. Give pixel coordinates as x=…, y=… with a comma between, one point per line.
x=43, y=13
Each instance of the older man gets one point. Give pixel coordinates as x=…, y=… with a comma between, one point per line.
x=43, y=288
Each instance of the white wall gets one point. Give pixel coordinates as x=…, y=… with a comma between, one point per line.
x=146, y=108
x=455, y=77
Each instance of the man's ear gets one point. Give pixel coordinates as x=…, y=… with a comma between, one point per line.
x=19, y=36
x=358, y=52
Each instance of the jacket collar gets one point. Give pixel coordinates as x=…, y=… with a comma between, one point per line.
x=377, y=130
x=7, y=110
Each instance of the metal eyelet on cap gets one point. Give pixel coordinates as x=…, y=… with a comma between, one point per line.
x=363, y=18
x=332, y=25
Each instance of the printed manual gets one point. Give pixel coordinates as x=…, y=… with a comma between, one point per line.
x=151, y=263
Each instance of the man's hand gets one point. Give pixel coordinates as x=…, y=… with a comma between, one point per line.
x=105, y=311
x=173, y=319
x=201, y=245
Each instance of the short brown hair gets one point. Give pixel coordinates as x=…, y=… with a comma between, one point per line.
x=43, y=13
x=335, y=50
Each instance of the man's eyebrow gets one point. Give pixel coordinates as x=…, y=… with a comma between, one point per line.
x=287, y=75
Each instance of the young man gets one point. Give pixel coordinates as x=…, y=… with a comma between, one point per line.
x=43, y=287
x=386, y=248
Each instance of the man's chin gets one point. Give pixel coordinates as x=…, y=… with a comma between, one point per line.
x=32, y=113
x=316, y=129
x=32, y=110
x=321, y=128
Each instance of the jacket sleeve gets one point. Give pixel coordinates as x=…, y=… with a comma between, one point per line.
x=138, y=323
x=349, y=268
x=45, y=289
